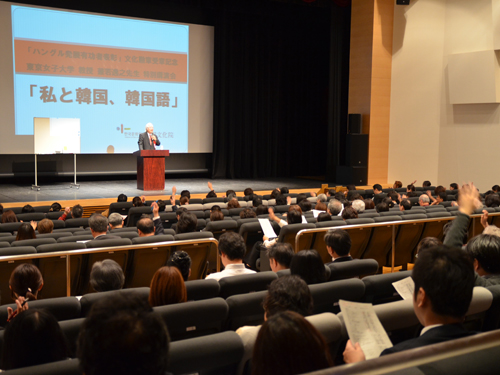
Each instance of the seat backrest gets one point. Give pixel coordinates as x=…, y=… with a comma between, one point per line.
x=83, y=237
x=75, y=223
x=359, y=221
x=108, y=243
x=63, y=308
x=88, y=300
x=230, y=286
x=120, y=207
x=66, y=367
x=354, y=268
x=19, y=250
x=153, y=239
x=55, y=215
x=198, y=251
x=215, y=354
x=327, y=295
x=36, y=216
x=193, y=236
x=245, y=310
x=9, y=227
x=71, y=330
x=62, y=246
x=289, y=232
x=202, y=289
x=126, y=234
x=194, y=319
x=55, y=235
x=135, y=213
x=34, y=242
x=379, y=288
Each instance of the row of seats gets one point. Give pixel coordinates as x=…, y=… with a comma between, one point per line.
x=204, y=322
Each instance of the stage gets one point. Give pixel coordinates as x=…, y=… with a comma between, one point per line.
x=105, y=192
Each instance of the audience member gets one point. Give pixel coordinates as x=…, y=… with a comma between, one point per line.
x=300, y=197
x=427, y=243
x=321, y=206
x=405, y=204
x=55, y=207
x=230, y=192
x=45, y=226
x=33, y=338
x=182, y=261
x=495, y=188
x=256, y=201
x=106, y=275
x=262, y=210
x=358, y=205
x=25, y=232
x=115, y=220
x=232, y=249
x=138, y=201
x=284, y=190
x=492, y=200
x=27, y=209
x=309, y=266
x=338, y=245
x=453, y=186
x=334, y=207
x=247, y=213
x=280, y=256
x=76, y=212
x=369, y=204
x=99, y=228
x=397, y=185
x=25, y=281
x=323, y=216
x=426, y=184
x=121, y=198
x=377, y=189
x=233, y=203
x=410, y=188
x=145, y=227
x=216, y=215
x=211, y=193
x=9, y=217
x=184, y=200
x=322, y=198
x=444, y=280
x=248, y=191
x=305, y=205
x=167, y=287
x=424, y=200
x=123, y=336
x=275, y=193
x=288, y=344
x=349, y=213
x=187, y=223
x=382, y=207
x=389, y=202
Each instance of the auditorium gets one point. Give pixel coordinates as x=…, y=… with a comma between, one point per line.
x=249, y=187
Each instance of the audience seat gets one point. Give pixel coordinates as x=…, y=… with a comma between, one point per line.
x=89, y=299
x=93, y=244
x=359, y=221
x=144, y=262
x=121, y=208
x=55, y=235
x=354, y=268
x=4, y=244
x=217, y=354
x=241, y=284
x=35, y=216
x=19, y=250
x=406, y=242
x=152, y=239
x=63, y=308
x=126, y=234
x=194, y=319
x=75, y=223
x=54, y=216
x=135, y=213
x=368, y=215
x=34, y=242
x=202, y=289
x=288, y=232
x=199, y=251
x=71, y=238
x=327, y=295
x=379, y=288
x=380, y=244
x=245, y=310
x=387, y=218
x=66, y=367
x=71, y=330
x=10, y=238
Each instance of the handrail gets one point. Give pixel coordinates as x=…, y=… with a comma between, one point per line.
x=394, y=224
x=69, y=253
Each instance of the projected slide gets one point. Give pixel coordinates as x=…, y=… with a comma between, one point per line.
x=115, y=75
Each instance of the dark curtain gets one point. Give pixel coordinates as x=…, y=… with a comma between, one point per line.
x=271, y=90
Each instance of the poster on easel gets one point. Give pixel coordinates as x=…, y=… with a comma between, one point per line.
x=56, y=135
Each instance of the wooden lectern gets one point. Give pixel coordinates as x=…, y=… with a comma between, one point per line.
x=151, y=169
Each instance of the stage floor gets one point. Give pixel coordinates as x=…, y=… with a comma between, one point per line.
x=61, y=191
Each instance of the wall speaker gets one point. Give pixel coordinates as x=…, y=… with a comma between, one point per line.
x=402, y=2
x=352, y=175
x=355, y=123
x=356, y=150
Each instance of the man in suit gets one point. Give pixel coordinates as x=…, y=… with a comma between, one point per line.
x=148, y=140
x=99, y=228
x=444, y=281
x=338, y=245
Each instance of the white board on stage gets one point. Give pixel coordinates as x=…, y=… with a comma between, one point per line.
x=56, y=135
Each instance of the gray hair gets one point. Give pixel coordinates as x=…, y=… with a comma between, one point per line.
x=335, y=207
x=98, y=223
x=115, y=219
x=149, y=124
x=106, y=275
x=321, y=198
x=358, y=205
x=424, y=198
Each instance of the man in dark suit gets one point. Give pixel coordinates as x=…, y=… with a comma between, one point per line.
x=148, y=140
x=444, y=281
x=338, y=245
x=99, y=228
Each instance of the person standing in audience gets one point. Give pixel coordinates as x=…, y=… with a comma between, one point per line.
x=280, y=256
x=232, y=249
x=288, y=344
x=167, y=287
x=106, y=275
x=309, y=266
x=444, y=281
x=338, y=245
x=115, y=220
x=9, y=217
x=76, y=212
x=45, y=226
x=99, y=228
x=182, y=261
x=25, y=281
x=26, y=232
x=33, y=338
x=123, y=336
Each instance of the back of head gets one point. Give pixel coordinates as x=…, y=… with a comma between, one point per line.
x=358, y=205
x=492, y=200
x=349, y=213
x=115, y=219
x=439, y=189
x=323, y=216
x=427, y=243
x=184, y=200
x=382, y=207
x=410, y=187
x=389, y=202
x=288, y=293
x=321, y=198
x=55, y=207
x=33, y=338
x=216, y=215
x=305, y=205
x=182, y=261
x=300, y=197
x=186, y=193
x=280, y=200
x=350, y=187
x=98, y=223
x=334, y=206
x=230, y=192
x=406, y=204
x=45, y=226
x=167, y=287
x=262, y=210
x=9, y=217
x=377, y=187
x=339, y=240
x=247, y=213
x=426, y=183
x=294, y=215
x=25, y=232
x=211, y=194
x=423, y=199
x=27, y=209
x=146, y=225
x=77, y=212
x=122, y=198
x=454, y=186
x=233, y=203
x=123, y=336
x=137, y=202
x=233, y=245
x=23, y=278
x=248, y=191
x=369, y=204
x=397, y=184
x=106, y=275
x=282, y=253
x=309, y=266
x=485, y=248
x=284, y=190
x=187, y=223
x=447, y=277
x=256, y=201
x=288, y=344
x=393, y=195
x=321, y=206
x=275, y=193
